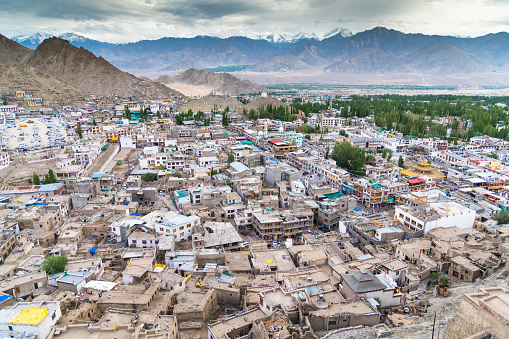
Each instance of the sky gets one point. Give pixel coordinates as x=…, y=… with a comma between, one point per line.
x=121, y=21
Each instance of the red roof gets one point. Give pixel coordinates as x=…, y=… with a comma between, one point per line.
x=416, y=181
x=241, y=138
x=275, y=141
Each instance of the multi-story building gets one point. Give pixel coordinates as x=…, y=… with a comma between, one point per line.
x=179, y=226
x=432, y=215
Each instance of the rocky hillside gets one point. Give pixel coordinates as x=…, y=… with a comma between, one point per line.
x=222, y=83
x=59, y=66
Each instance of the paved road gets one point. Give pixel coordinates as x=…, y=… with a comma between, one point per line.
x=100, y=162
x=168, y=203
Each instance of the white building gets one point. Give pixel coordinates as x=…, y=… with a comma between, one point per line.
x=142, y=239
x=297, y=188
x=29, y=318
x=4, y=159
x=206, y=161
x=180, y=226
x=432, y=215
x=127, y=141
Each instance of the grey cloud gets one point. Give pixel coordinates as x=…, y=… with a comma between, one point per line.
x=210, y=9
x=74, y=10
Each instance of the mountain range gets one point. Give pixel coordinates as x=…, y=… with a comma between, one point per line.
x=173, y=54
x=377, y=53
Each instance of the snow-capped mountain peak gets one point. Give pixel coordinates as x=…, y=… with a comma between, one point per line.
x=36, y=38
x=71, y=37
x=278, y=38
x=345, y=33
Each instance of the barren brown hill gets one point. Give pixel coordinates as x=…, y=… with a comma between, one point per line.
x=79, y=67
x=58, y=67
x=11, y=52
x=212, y=102
x=223, y=83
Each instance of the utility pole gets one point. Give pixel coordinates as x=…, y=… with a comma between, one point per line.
x=433, y=331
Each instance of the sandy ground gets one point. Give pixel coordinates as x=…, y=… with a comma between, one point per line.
x=191, y=90
x=317, y=76
x=14, y=132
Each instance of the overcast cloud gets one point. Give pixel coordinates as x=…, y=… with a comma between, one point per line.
x=133, y=20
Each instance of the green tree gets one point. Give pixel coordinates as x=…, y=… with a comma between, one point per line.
x=384, y=153
x=342, y=132
x=213, y=172
x=401, y=162
x=502, y=217
x=79, y=132
x=350, y=158
x=54, y=264
x=161, y=167
x=35, y=179
x=307, y=136
x=231, y=158
x=94, y=122
x=4, y=101
x=224, y=120
x=128, y=114
x=149, y=177
x=327, y=150
x=370, y=159
x=177, y=174
x=158, y=114
x=49, y=178
x=389, y=156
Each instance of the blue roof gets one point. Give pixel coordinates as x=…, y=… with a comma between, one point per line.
x=97, y=175
x=356, y=209
x=127, y=203
x=135, y=214
x=50, y=187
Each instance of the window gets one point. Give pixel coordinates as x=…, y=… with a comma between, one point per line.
x=134, y=241
x=144, y=242
x=181, y=228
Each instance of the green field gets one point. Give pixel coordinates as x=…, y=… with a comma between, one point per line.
x=235, y=68
x=340, y=87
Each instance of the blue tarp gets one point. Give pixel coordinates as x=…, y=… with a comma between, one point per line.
x=4, y=297
x=41, y=204
x=272, y=159
x=127, y=203
x=92, y=250
x=356, y=209
x=135, y=214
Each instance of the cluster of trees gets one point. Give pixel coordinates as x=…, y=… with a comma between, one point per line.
x=282, y=112
x=144, y=115
x=350, y=158
x=198, y=116
x=49, y=178
x=149, y=177
x=308, y=129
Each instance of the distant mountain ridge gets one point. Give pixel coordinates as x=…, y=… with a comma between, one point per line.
x=394, y=51
x=378, y=51
x=177, y=54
